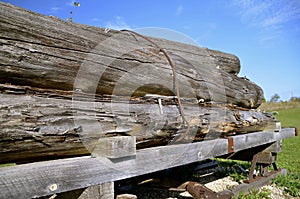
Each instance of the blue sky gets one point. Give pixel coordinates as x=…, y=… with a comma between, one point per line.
x=264, y=34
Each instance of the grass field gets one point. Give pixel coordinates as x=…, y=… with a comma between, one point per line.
x=289, y=116
x=290, y=156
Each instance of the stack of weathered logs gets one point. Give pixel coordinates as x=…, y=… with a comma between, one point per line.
x=65, y=85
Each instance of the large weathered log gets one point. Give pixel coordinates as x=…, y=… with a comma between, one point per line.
x=38, y=124
x=47, y=52
x=64, y=85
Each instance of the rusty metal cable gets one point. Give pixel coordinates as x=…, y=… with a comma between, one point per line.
x=174, y=77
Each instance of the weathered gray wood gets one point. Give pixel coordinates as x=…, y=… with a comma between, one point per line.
x=115, y=147
x=74, y=36
x=40, y=125
x=263, y=138
x=36, y=179
x=46, y=52
x=102, y=191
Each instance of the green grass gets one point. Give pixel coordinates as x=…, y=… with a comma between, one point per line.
x=289, y=117
x=272, y=106
x=290, y=156
x=7, y=165
x=255, y=194
x=290, y=183
x=229, y=168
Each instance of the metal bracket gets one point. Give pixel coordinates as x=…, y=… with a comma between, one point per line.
x=263, y=160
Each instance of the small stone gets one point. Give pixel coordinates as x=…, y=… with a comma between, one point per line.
x=186, y=194
x=126, y=196
x=221, y=184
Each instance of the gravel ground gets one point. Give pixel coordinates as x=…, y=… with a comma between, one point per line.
x=217, y=186
x=161, y=190
x=221, y=184
x=225, y=183
x=277, y=192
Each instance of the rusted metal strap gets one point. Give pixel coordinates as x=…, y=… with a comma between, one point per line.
x=230, y=145
x=175, y=80
x=263, y=168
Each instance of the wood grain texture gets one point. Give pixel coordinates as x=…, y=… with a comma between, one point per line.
x=38, y=124
x=64, y=86
x=46, y=52
x=35, y=179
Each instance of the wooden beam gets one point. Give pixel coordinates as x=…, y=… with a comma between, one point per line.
x=115, y=147
x=261, y=138
x=38, y=179
x=102, y=191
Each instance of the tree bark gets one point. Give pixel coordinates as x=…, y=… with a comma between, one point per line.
x=38, y=124
x=46, y=52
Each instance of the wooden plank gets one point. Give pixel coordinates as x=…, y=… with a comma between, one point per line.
x=115, y=147
x=260, y=138
x=38, y=179
x=102, y=191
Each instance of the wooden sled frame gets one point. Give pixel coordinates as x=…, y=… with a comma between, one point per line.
x=53, y=177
